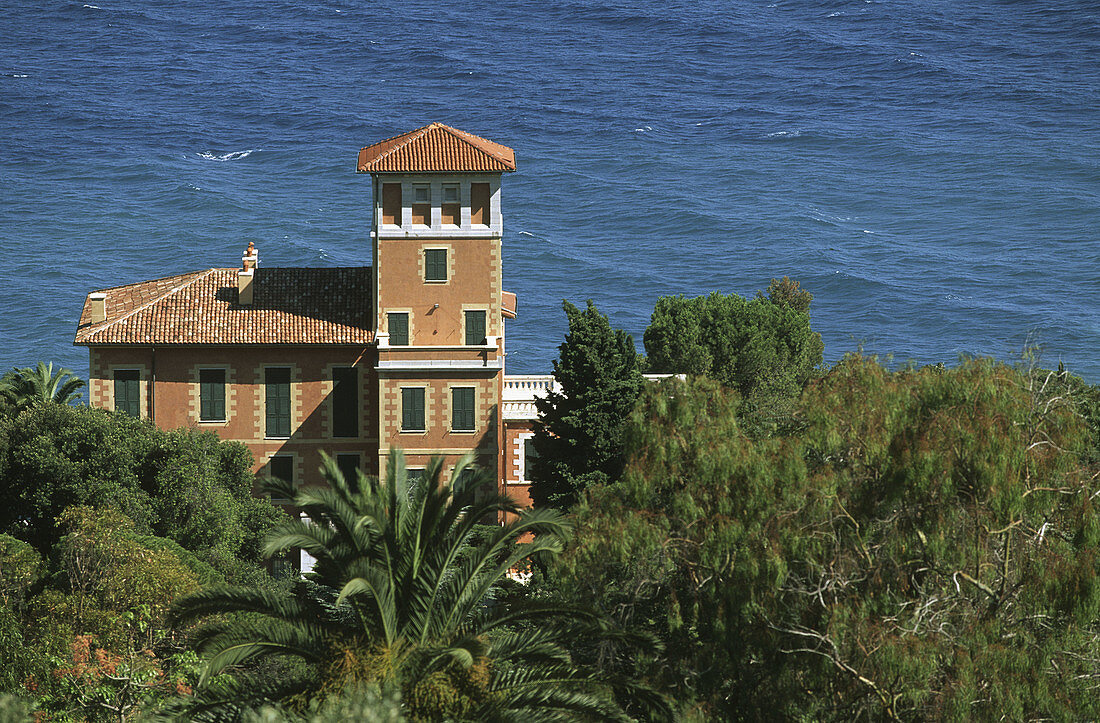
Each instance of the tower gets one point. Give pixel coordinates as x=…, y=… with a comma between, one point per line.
x=439, y=306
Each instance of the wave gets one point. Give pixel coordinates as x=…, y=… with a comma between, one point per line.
x=784, y=134
x=231, y=156
x=18, y=75
x=93, y=7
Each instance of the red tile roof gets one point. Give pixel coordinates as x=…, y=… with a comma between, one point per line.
x=290, y=306
x=436, y=148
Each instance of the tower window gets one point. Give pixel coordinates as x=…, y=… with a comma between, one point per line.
x=412, y=409
x=127, y=392
x=462, y=409
x=451, y=208
x=479, y=204
x=475, y=328
x=277, y=401
x=211, y=395
x=422, y=205
x=345, y=402
x=435, y=264
x=391, y=204
x=398, y=324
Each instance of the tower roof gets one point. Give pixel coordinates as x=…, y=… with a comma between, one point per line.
x=436, y=148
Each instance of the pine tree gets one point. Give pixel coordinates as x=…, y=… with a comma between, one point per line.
x=578, y=436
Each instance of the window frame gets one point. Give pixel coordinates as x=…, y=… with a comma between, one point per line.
x=268, y=433
x=466, y=326
x=430, y=267
x=421, y=209
x=353, y=408
x=470, y=410
x=271, y=475
x=389, y=327
x=408, y=418
x=136, y=401
x=455, y=206
x=203, y=417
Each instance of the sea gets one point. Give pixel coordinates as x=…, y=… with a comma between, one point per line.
x=930, y=171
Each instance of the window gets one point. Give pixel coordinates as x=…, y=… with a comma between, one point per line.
x=414, y=476
x=282, y=468
x=462, y=409
x=277, y=383
x=530, y=454
x=345, y=402
x=398, y=325
x=211, y=395
x=391, y=204
x=128, y=392
x=422, y=205
x=435, y=264
x=450, y=208
x=412, y=409
x=479, y=204
x=475, y=327
x=348, y=464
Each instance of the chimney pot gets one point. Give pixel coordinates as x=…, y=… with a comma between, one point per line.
x=99, y=306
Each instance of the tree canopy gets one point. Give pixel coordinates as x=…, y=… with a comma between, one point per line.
x=763, y=347
x=923, y=545
x=25, y=386
x=578, y=436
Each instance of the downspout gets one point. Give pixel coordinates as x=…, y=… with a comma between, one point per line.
x=153, y=388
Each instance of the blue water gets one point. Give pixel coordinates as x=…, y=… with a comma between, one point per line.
x=930, y=171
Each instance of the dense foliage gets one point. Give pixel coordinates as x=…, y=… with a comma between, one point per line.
x=578, y=436
x=924, y=545
x=184, y=485
x=107, y=520
x=399, y=598
x=763, y=347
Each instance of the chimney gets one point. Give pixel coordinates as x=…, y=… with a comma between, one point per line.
x=99, y=306
x=246, y=274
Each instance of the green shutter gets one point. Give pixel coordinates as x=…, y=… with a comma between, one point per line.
x=462, y=409
x=412, y=409
x=475, y=328
x=435, y=265
x=128, y=392
x=399, y=329
x=277, y=383
x=211, y=395
x=345, y=402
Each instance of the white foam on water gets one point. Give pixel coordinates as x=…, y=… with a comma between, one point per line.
x=784, y=134
x=93, y=7
x=231, y=156
x=19, y=75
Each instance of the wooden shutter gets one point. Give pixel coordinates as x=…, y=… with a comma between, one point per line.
x=412, y=409
x=211, y=395
x=475, y=327
x=435, y=264
x=277, y=383
x=398, y=324
x=462, y=409
x=128, y=392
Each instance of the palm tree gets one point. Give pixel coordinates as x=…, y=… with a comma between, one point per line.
x=404, y=594
x=36, y=385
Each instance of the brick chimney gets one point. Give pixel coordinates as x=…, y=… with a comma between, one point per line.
x=246, y=274
x=99, y=306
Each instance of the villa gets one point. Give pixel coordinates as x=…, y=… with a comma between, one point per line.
x=405, y=353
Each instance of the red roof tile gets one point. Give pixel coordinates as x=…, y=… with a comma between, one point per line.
x=290, y=306
x=436, y=148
